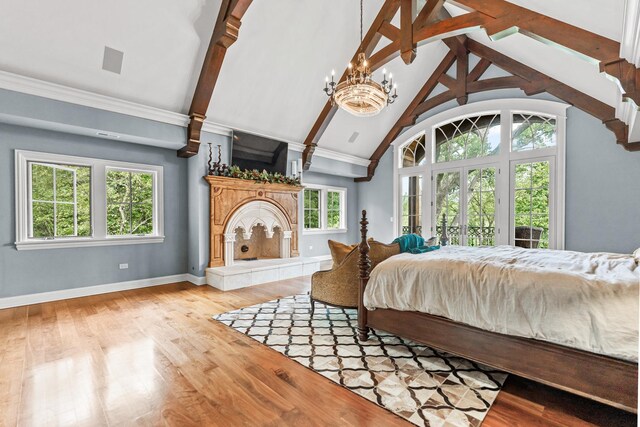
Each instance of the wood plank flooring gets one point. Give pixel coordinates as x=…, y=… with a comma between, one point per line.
x=154, y=357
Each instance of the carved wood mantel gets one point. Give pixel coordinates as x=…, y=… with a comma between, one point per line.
x=227, y=195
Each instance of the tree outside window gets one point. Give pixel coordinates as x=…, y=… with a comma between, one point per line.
x=129, y=203
x=334, y=210
x=311, y=209
x=60, y=200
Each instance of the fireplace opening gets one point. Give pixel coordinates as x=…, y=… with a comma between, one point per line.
x=259, y=245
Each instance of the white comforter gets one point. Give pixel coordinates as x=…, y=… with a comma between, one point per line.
x=580, y=300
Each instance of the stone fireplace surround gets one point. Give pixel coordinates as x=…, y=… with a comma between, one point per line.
x=241, y=207
x=257, y=213
x=243, y=204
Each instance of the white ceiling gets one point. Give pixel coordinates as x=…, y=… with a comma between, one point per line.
x=272, y=77
x=63, y=41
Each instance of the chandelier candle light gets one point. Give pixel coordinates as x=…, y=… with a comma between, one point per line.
x=358, y=94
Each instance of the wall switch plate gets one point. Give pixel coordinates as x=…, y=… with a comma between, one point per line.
x=391, y=219
x=123, y=266
x=310, y=247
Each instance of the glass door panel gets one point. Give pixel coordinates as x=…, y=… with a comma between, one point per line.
x=447, y=203
x=480, y=227
x=532, y=185
x=411, y=204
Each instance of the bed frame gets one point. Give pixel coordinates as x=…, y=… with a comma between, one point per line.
x=601, y=378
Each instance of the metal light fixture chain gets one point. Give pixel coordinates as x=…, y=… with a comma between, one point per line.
x=358, y=93
x=361, y=8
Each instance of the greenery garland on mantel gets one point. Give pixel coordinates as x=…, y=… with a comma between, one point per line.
x=255, y=175
x=220, y=169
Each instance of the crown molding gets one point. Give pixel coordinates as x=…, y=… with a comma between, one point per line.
x=31, y=86
x=57, y=92
x=330, y=154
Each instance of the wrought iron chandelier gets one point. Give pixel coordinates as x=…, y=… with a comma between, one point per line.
x=359, y=94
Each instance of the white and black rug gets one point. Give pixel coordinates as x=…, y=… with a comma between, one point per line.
x=423, y=385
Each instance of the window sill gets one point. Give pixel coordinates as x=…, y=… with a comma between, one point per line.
x=324, y=231
x=87, y=242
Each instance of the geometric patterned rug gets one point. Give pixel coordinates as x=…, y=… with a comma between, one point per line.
x=424, y=386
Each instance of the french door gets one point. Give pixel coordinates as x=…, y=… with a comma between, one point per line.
x=467, y=197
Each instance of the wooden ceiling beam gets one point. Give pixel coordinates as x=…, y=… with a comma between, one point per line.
x=225, y=33
x=478, y=70
x=427, y=13
x=501, y=18
x=407, y=45
x=369, y=42
x=462, y=70
x=448, y=81
x=389, y=31
x=523, y=77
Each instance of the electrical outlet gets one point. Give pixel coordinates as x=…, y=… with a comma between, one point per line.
x=391, y=219
x=123, y=266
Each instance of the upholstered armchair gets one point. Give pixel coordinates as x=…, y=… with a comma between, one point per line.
x=339, y=286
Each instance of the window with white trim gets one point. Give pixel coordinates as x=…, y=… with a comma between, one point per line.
x=312, y=212
x=67, y=201
x=60, y=200
x=129, y=202
x=496, y=172
x=324, y=209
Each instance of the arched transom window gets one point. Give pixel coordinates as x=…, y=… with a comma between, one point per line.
x=495, y=174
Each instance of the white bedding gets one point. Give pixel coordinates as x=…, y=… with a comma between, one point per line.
x=580, y=300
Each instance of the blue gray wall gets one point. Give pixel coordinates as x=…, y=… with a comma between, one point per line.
x=602, y=197
x=376, y=196
x=602, y=187
x=34, y=271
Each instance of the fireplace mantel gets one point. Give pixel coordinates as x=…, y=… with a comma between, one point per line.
x=227, y=195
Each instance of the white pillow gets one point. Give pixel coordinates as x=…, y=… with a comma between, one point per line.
x=431, y=241
x=636, y=255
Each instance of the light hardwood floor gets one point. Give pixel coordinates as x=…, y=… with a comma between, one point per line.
x=155, y=357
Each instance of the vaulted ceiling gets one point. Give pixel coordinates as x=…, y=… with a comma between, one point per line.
x=271, y=79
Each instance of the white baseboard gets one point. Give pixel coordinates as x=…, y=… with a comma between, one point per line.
x=95, y=290
x=196, y=280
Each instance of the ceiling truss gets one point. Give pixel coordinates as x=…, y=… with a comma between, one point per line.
x=498, y=18
x=468, y=82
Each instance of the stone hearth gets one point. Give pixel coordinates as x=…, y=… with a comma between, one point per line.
x=249, y=273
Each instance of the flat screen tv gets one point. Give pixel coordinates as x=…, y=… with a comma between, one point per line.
x=257, y=152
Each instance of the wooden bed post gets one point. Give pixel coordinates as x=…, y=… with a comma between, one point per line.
x=365, y=265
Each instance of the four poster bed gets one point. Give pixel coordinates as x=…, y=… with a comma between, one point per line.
x=389, y=304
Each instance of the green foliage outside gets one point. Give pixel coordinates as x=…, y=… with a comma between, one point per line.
x=532, y=198
x=533, y=132
x=53, y=205
x=531, y=183
x=333, y=209
x=412, y=204
x=311, y=208
x=469, y=144
x=129, y=203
